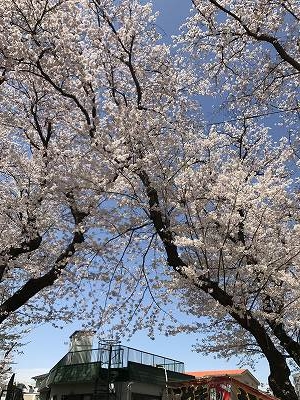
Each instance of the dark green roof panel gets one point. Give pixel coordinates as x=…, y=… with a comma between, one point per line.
x=74, y=373
x=146, y=373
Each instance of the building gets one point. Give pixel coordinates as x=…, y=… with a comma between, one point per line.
x=109, y=372
x=241, y=375
x=115, y=372
x=216, y=387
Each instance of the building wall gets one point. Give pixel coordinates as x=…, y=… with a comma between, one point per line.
x=247, y=379
x=57, y=391
x=155, y=391
x=124, y=391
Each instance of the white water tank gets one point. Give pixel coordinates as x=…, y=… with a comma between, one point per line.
x=81, y=344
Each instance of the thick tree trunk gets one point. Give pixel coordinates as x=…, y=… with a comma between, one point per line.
x=279, y=378
x=280, y=383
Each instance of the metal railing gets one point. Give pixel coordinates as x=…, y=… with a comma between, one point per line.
x=118, y=356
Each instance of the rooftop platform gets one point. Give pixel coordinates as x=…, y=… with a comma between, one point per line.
x=123, y=362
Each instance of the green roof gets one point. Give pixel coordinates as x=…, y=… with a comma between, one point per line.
x=78, y=373
x=90, y=372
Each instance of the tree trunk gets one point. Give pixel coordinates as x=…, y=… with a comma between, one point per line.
x=279, y=378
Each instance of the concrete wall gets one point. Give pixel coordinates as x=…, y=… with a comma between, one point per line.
x=75, y=388
x=123, y=390
x=142, y=388
x=247, y=379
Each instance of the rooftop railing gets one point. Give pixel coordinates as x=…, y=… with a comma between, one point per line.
x=118, y=356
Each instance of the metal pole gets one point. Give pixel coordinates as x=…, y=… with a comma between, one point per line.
x=108, y=370
x=166, y=377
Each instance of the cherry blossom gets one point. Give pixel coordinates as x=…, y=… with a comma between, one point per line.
x=122, y=205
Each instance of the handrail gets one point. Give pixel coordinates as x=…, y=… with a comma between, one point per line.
x=120, y=356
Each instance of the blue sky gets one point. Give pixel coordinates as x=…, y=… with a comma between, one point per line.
x=172, y=14
x=46, y=345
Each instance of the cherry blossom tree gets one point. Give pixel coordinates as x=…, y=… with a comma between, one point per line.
x=119, y=203
x=83, y=86
x=10, y=343
x=202, y=207
x=246, y=55
x=250, y=52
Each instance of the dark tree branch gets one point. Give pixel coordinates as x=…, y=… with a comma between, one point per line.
x=26, y=246
x=128, y=62
x=65, y=93
x=261, y=37
x=291, y=346
x=34, y=285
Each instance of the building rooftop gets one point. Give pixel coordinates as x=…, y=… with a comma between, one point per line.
x=220, y=372
x=235, y=373
x=89, y=364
